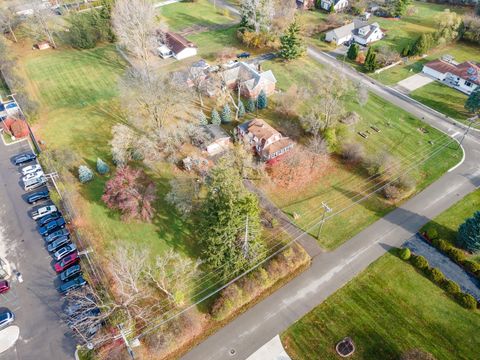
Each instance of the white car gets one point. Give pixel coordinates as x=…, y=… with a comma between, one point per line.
x=43, y=211
x=33, y=175
x=31, y=169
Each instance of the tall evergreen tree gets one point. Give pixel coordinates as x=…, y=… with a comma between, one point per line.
x=292, y=44
x=406, y=51
x=226, y=116
x=332, y=8
x=229, y=229
x=215, y=119
x=251, y=106
x=241, y=109
x=353, y=51
x=370, y=60
x=468, y=236
x=262, y=101
x=202, y=118
x=473, y=102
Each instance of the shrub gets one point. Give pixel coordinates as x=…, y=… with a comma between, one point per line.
x=442, y=245
x=406, y=182
x=467, y=301
x=405, y=253
x=456, y=254
x=451, y=287
x=436, y=275
x=419, y=262
x=471, y=266
x=352, y=152
x=391, y=192
x=102, y=167
x=432, y=233
x=84, y=174
x=351, y=118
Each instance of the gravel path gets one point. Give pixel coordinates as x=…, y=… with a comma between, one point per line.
x=452, y=271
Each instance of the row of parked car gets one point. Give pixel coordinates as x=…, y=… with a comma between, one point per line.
x=52, y=227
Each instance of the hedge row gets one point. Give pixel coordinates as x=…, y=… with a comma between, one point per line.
x=435, y=275
x=457, y=255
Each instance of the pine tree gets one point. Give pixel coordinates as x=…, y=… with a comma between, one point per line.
x=226, y=115
x=102, y=167
x=292, y=45
x=202, y=118
x=215, y=119
x=469, y=233
x=473, y=102
x=370, y=60
x=405, y=51
x=422, y=45
x=84, y=174
x=241, y=109
x=262, y=101
x=353, y=51
x=332, y=8
x=251, y=106
x=229, y=229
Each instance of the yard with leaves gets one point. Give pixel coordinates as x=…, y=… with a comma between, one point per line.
x=422, y=150
x=388, y=309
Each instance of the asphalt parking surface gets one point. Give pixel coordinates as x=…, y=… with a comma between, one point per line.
x=35, y=302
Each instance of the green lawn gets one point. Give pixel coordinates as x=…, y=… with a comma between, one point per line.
x=388, y=309
x=77, y=93
x=201, y=13
x=444, y=99
x=342, y=185
x=446, y=224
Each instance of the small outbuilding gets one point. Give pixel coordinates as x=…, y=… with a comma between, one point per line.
x=176, y=45
x=218, y=139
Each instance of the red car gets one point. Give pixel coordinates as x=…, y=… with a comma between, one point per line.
x=4, y=286
x=66, y=262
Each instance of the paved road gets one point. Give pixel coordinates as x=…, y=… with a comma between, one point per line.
x=330, y=271
x=35, y=302
x=468, y=283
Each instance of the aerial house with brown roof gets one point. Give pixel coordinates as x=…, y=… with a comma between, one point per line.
x=268, y=142
x=464, y=77
x=179, y=47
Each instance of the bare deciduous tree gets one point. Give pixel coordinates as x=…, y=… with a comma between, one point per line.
x=9, y=20
x=134, y=24
x=40, y=22
x=183, y=194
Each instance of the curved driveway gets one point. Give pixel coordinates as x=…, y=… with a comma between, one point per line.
x=330, y=271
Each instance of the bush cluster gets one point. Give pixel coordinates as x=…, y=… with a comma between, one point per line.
x=419, y=262
x=451, y=287
x=435, y=275
x=467, y=301
x=405, y=254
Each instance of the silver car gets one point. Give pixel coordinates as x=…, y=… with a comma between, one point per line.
x=64, y=251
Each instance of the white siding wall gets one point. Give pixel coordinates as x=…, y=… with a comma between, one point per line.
x=186, y=53
x=434, y=73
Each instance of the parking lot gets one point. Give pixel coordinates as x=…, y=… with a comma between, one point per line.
x=35, y=302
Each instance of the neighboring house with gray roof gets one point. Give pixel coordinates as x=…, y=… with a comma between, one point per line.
x=360, y=31
x=368, y=34
x=338, y=5
x=250, y=79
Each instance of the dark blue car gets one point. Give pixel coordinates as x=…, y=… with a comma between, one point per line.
x=38, y=196
x=57, y=234
x=75, y=283
x=52, y=226
x=24, y=158
x=47, y=218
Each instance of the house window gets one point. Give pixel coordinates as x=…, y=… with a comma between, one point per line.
x=468, y=83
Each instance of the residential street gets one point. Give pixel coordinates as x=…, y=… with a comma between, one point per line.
x=330, y=271
x=35, y=302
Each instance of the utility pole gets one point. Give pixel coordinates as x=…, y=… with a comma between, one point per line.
x=125, y=340
x=245, y=240
x=326, y=210
x=472, y=120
